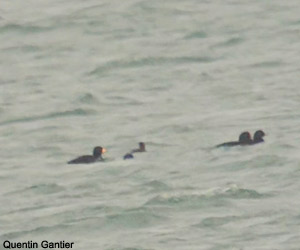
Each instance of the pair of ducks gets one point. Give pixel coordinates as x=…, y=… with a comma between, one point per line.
x=244, y=139
x=97, y=155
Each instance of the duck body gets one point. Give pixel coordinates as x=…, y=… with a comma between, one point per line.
x=128, y=156
x=86, y=159
x=244, y=139
x=141, y=148
x=229, y=144
x=258, y=137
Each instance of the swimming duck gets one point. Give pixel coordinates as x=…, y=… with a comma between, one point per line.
x=85, y=159
x=258, y=136
x=141, y=148
x=244, y=139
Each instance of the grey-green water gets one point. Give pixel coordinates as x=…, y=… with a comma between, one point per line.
x=182, y=76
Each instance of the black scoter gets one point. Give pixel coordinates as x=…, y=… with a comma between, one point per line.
x=128, y=156
x=258, y=137
x=85, y=159
x=141, y=148
x=244, y=139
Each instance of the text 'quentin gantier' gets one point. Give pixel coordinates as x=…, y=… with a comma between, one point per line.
x=32, y=245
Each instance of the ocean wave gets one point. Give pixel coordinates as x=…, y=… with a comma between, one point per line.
x=44, y=230
x=148, y=61
x=195, y=35
x=40, y=189
x=134, y=218
x=156, y=186
x=215, y=198
x=75, y=112
x=229, y=42
x=88, y=98
x=25, y=29
x=217, y=221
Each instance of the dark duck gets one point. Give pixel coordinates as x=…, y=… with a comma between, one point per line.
x=258, y=137
x=244, y=139
x=141, y=148
x=85, y=159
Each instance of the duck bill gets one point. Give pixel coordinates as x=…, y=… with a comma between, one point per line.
x=103, y=150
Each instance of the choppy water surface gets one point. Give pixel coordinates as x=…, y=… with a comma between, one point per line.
x=182, y=76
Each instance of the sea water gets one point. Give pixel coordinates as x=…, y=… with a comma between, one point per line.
x=181, y=76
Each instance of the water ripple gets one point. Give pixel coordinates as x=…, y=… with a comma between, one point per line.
x=25, y=29
x=148, y=61
x=75, y=112
x=219, y=197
